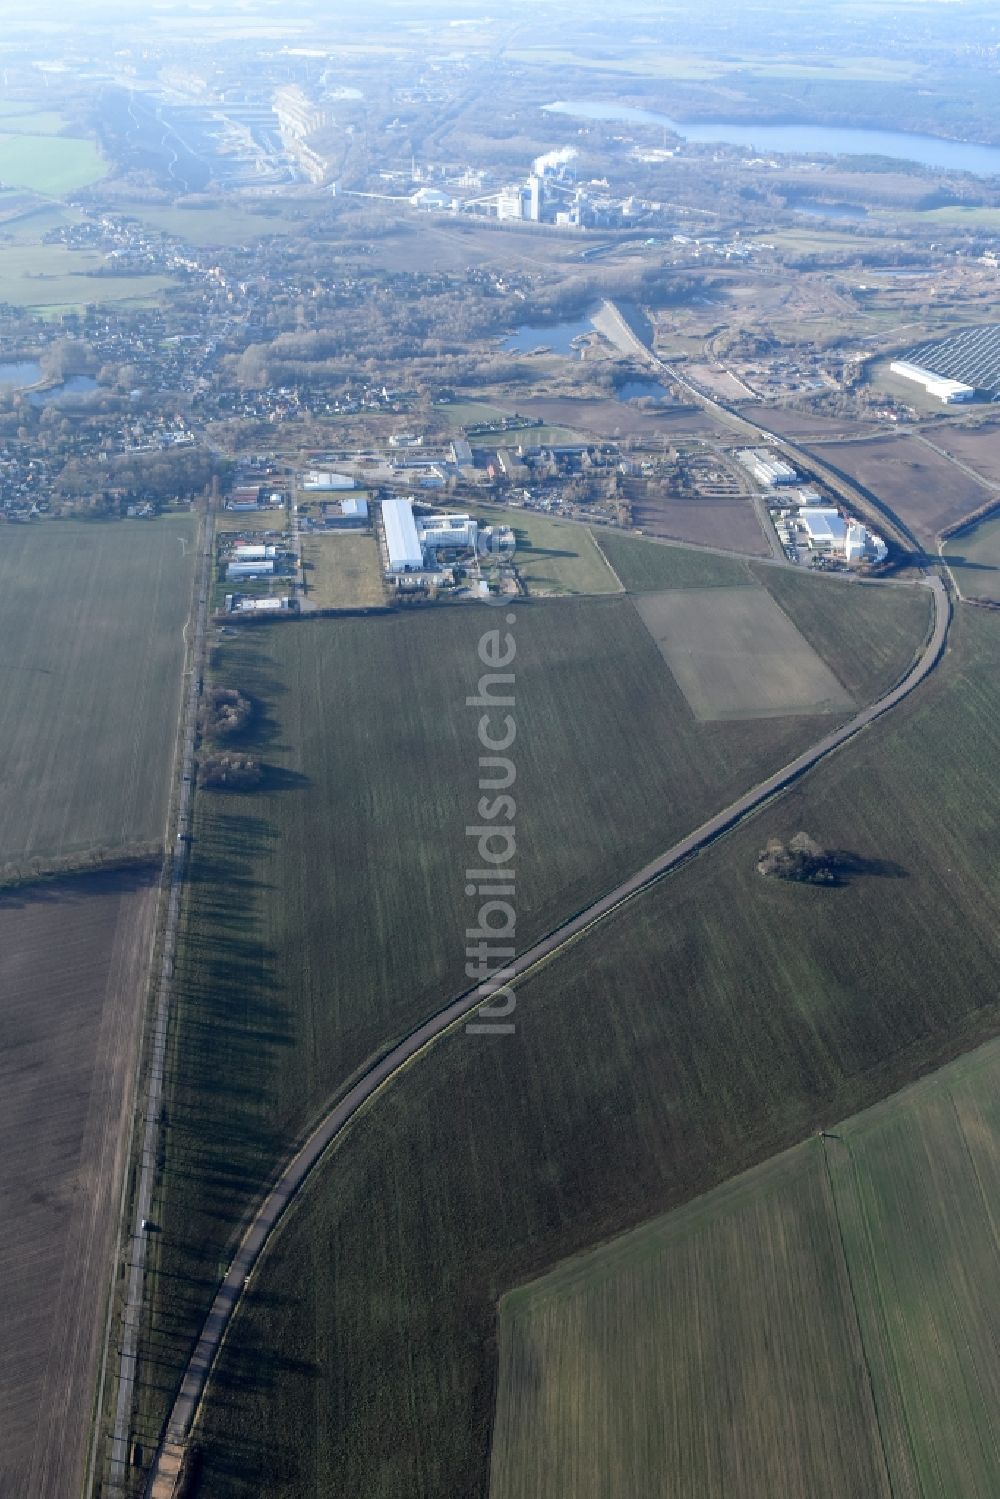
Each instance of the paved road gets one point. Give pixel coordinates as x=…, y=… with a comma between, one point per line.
x=132, y=1310
x=265, y=1220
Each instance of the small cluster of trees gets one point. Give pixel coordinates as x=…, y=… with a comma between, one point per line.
x=227, y=712
x=801, y=859
x=229, y=770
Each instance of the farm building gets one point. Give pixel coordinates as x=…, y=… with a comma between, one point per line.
x=766, y=468
x=250, y=569
x=401, y=540
x=948, y=391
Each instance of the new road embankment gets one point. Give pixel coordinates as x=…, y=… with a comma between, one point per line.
x=332, y=1126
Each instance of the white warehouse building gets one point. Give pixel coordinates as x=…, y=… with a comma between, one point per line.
x=948, y=391
x=402, y=543
x=766, y=468
x=247, y=551
x=249, y=569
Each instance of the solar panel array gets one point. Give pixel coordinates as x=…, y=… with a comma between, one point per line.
x=972, y=356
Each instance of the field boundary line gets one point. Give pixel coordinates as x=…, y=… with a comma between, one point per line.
x=290, y=1179
x=607, y=560
x=845, y=1261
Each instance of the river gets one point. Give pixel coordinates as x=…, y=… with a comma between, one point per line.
x=802, y=139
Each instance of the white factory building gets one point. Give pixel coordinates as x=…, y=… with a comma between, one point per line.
x=447, y=531
x=766, y=468
x=249, y=569
x=833, y=535
x=948, y=391
x=402, y=543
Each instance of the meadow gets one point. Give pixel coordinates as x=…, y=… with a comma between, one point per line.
x=974, y=560
x=231, y=224
x=91, y=617
x=553, y=556
x=327, y=909
x=50, y=164
x=342, y=571
x=54, y=276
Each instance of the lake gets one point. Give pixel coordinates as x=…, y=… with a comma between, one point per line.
x=74, y=385
x=634, y=390
x=20, y=373
x=555, y=336
x=804, y=140
x=813, y=209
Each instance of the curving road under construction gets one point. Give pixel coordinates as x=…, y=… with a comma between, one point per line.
x=168, y=1461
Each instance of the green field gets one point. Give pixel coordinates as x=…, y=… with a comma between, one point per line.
x=553, y=557
x=342, y=571
x=327, y=910
x=465, y=413
x=708, y=1024
x=714, y=1351
x=974, y=560
x=735, y=654
x=46, y=276
x=91, y=615
x=650, y=566
x=744, y=1344
x=49, y=164
x=221, y=224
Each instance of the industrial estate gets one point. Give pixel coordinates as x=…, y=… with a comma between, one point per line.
x=499, y=588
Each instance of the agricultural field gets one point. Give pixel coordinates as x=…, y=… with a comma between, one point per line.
x=609, y=417
x=648, y=566
x=714, y=1351
x=50, y=164
x=91, y=619
x=342, y=571
x=728, y=524
x=553, y=557
x=368, y=1342
x=923, y=488
x=979, y=447
x=735, y=654
x=73, y=969
x=974, y=560
x=870, y=635
x=844, y=1277
x=360, y=826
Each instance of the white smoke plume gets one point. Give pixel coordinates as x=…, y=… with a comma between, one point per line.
x=553, y=159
